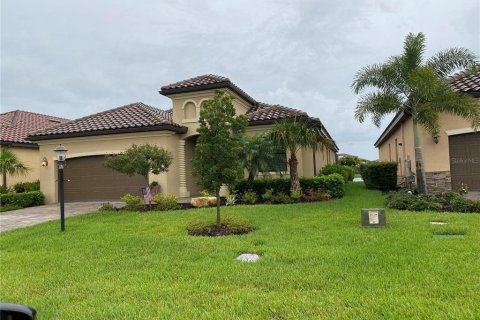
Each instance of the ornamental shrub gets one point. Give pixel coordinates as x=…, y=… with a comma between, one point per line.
x=25, y=199
x=347, y=172
x=107, y=206
x=268, y=196
x=233, y=225
x=448, y=201
x=249, y=197
x=379, y=175
x=281, y=198
x=21, y=187
x=134, y=203
x=333, y=184
x=166, y=202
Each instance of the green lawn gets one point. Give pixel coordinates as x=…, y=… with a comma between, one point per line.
x=317, y=263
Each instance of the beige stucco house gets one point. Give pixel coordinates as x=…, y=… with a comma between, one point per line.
x=451, y=158
x=14, y=128
x=90, y=138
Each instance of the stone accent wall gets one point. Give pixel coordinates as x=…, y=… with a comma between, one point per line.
x=438, y=181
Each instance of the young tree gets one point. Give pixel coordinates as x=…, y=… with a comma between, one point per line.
x=217, y=158
x=294, y=134
x=258, y=154
x=11, y=165
x=408, y=83
x=351, y=161
x=140, y=160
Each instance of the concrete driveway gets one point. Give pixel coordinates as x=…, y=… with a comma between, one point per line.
x=34, y=215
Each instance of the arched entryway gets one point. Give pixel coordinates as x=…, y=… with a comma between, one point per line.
x=192, y=185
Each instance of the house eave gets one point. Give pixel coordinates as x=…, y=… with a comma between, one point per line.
x=12, y=144
x=392, y=126
x=107, y=132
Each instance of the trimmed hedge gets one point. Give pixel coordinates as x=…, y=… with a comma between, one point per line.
x=333, y=184
x=25, y=199
x=348, y=173
x=380, y=175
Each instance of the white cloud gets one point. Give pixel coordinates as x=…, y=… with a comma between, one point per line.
x=73, y=58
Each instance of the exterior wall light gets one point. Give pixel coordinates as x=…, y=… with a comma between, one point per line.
x=61, y=153
x=435, y=138
x=44, y=162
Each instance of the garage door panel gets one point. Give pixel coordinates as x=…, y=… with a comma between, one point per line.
x=465, y=160
x=88, y=180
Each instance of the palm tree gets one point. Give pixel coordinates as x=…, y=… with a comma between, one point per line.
x=9, y=164
x=294, y=134
x=408, y=83
x=258, y=155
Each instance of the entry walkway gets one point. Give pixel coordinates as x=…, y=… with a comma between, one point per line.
x=34, y=215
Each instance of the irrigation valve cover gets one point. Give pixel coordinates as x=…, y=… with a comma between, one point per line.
x=374, y=217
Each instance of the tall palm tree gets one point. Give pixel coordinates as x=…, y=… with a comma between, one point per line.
x=11, y=165
x=294, y=134
x=258, y=155
x=409, y=83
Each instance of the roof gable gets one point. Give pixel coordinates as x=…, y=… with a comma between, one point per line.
x=204, y=82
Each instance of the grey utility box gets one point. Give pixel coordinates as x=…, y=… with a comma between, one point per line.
x=374, y=217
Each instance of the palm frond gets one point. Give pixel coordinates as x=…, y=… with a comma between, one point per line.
x=457, y=104
x=447, y=61
x=378, y=105
x=428, y=118
x=413, y=49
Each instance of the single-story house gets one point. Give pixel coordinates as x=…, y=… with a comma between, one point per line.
x=15, y=126
x=452, y=158
x=90, y=138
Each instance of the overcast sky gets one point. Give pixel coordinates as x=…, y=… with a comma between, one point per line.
x=74, y=58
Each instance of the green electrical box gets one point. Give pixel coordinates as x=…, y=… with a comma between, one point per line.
x=374, y=217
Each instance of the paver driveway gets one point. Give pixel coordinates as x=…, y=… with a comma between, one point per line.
x=34, y=215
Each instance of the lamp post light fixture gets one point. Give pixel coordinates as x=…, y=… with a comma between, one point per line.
x=61, y=153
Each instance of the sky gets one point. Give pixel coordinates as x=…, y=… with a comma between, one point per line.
x=71, y=58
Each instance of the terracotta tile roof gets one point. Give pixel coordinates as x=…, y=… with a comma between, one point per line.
x=16, y=125
x=135, y=117
x=466, y=81
x=204, y=82
x=265, y=112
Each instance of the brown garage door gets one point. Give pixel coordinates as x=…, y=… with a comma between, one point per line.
x=465, y=160
x=86, y=179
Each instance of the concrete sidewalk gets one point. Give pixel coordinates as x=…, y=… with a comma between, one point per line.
x=34, y=215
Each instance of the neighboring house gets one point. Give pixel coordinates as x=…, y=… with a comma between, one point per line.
x=14, y=128
x=451, y=158
x=90, y=138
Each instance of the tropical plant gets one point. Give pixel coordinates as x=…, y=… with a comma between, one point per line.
x=407, y=83
x=11, y=165
x=258, y=155
x=140, y=160
x=217, y=158
x=294, y=134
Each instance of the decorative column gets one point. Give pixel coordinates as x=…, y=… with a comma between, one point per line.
x=182, y=178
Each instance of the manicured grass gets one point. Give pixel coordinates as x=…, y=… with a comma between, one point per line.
x=317, y=263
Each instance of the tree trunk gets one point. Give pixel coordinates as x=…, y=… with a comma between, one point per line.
x=4, y=180
x=419, y=164
x=293, y=163
x=217, y=194
x=250, y=178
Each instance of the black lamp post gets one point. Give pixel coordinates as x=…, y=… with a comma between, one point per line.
x=61, y=153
